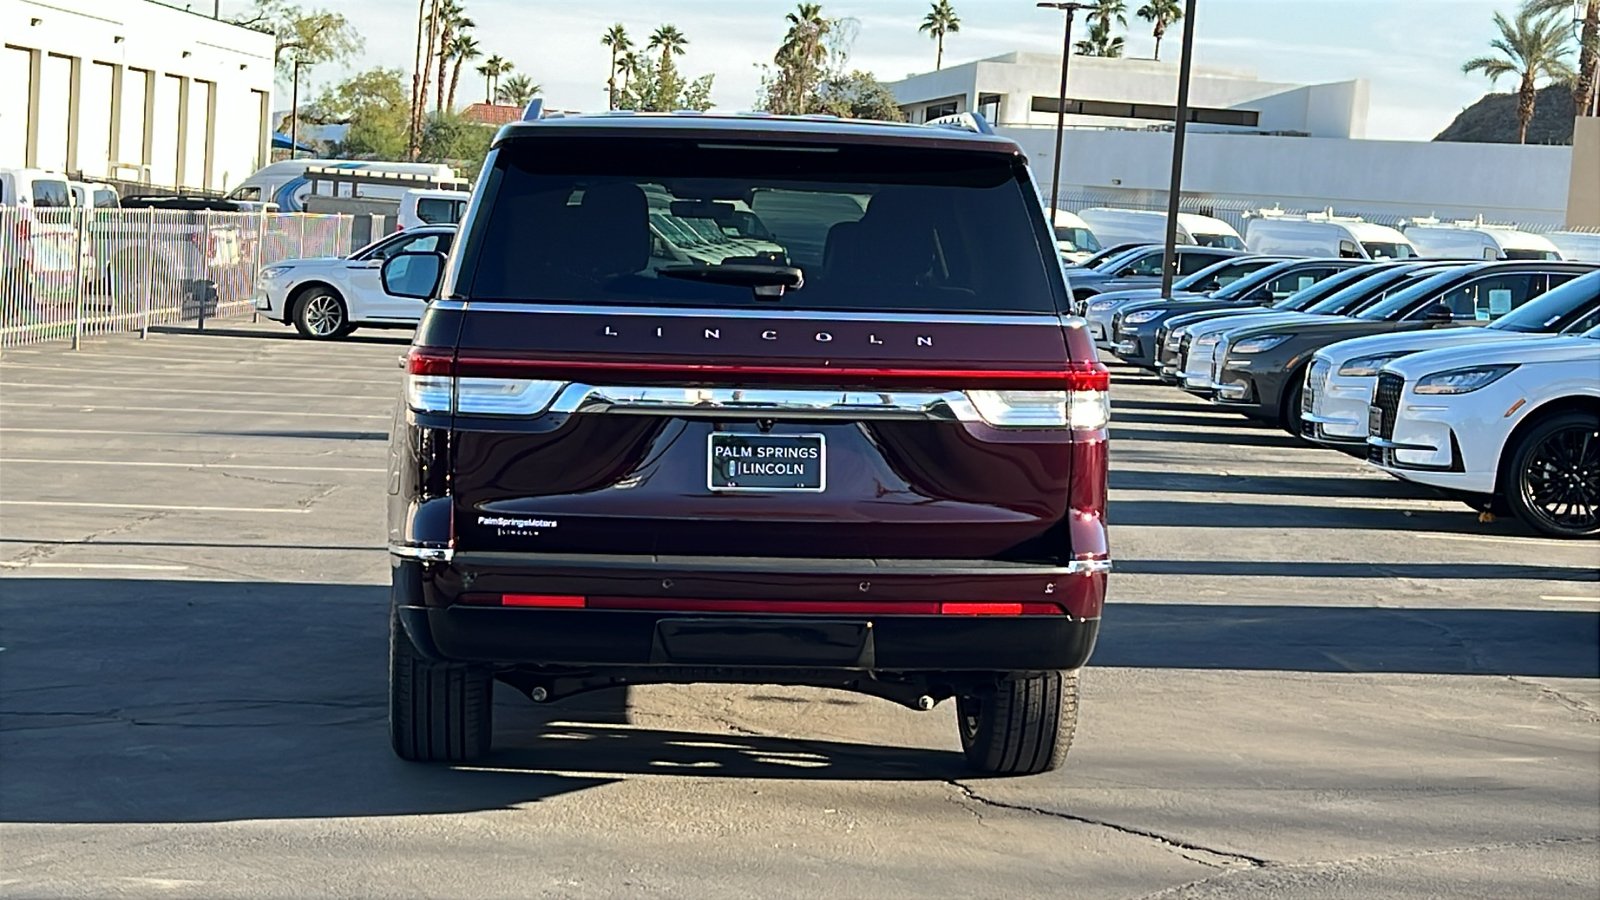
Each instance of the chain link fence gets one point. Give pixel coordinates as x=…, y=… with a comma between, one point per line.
x=70, y=273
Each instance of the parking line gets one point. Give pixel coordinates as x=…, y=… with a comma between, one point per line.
x=179, y=465
x=1575, y=599
x=201, y=360
x=194, y=434
x=232, y=376
x=167, y=390
x=129, y=566
x=97, y=407
x=1536, y=542
x=156, y=506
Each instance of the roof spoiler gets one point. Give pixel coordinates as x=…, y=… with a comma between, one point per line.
x=966, y=121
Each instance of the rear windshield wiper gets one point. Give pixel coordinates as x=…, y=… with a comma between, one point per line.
x=767, y=280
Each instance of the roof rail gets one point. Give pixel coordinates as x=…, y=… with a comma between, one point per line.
x=966, y=121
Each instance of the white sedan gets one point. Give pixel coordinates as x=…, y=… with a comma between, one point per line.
x=1512, y=426
x=1339, y=383
x=331, y=297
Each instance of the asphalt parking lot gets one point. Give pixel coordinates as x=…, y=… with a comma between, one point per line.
x=1312, y=682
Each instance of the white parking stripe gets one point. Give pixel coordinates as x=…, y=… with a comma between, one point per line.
x=1527, y=542
x=199, y=360
x=232, y=376
x=130, y=566
x=180, y=465
x=97, y=407
x=193, y=434
x=1574, y=599
x=388, y=398
x=73, y=504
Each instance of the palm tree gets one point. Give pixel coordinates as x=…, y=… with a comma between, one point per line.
x=1100, y=42
x=627, y=66
x=1161, y=14
x=669, y=40
x=1106, y=10
x=452, y=21
x=462, y=48
x=1532, y=48
x=518, y=90
x=616, y=37
x=1583, y=90
x=491, y=70
x=941, y=20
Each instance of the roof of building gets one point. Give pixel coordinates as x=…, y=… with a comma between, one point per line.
x=491, y=113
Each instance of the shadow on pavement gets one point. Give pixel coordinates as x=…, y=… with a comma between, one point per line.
x=1292, y=515
x=1547, y=643
x=1249, y=568
x=1271, y=485
x=372, y=336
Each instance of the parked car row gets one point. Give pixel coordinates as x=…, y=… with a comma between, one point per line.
x=1479, y=379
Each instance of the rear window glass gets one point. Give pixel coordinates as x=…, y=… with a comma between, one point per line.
x=1226, y=241
x=105, y=199
x=439, y=210
x=682, y=221
x=51, y=194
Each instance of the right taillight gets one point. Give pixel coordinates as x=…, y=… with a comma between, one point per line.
x=432, y=386
x=1084, y=405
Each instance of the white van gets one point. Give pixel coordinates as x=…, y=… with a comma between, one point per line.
x=1475, y=240
x=1074, y=238
x=1324, y=235
x=93, y=195
x=38, y=215
x=1582, y=246
x=285, y=184
x=1118, y=226
x=432, y=207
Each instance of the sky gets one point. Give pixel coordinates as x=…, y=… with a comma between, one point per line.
x=1410, y=50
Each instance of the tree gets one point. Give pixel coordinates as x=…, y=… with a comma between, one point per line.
x=1533, y=48
x=1588, y=80
x=449, y=138
x=491, y=70
x=1105, y=11
x=312, y=37
x=616, y=38
x=462, y=48
x=941, y=20
x=518, y=91
x=801, y=60
x=858, y=95
x=1100, y=42
x=670, y=41
x=1161, y=14
x=660, y=87
x=628, y=65
x=452, y=21
x=373, y=104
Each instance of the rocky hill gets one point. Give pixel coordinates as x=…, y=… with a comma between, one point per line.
x=1493, y=120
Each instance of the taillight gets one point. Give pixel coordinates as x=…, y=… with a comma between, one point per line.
x=1085, y=404
x=431, y=387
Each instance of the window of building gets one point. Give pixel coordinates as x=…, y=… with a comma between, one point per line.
x=935, y=110
x=1245, y=118
x=989, y=107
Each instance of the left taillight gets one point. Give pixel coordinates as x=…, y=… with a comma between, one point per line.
x=433, y=386
x=1084, y=404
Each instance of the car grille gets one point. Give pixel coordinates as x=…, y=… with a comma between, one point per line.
x=1386, y=397
x=1219, y=354
x=1316, y=379
x=1116, y=325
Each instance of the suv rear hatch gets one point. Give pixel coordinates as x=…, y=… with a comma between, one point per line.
x=861, y=356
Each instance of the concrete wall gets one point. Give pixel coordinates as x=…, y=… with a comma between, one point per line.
x=89, y=84
x=1503, y=182
x=1583, y=193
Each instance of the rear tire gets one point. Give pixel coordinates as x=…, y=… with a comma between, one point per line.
x=1291, y=419
x=438, y=712
x=1024, y=728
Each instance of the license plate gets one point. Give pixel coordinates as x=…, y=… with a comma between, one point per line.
x=765, y=462
x=1375, y=421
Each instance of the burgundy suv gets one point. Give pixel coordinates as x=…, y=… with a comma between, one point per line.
x=748, y=399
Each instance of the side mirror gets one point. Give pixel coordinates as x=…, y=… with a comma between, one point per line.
x=1438, y=311
x=413, y=275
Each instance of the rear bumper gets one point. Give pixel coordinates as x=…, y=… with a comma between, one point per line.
x=587, y=638
x=644, y=625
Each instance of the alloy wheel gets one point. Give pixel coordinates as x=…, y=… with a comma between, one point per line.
x=324, y=315
x=1560, y=482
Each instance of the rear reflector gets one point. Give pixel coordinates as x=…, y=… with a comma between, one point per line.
x=546, y=601
x=774, y=607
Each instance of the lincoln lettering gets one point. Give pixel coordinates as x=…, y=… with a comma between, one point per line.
x=771, y=334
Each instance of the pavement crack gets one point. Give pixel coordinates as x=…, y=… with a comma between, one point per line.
x=1207, y=856
x=1576, y=704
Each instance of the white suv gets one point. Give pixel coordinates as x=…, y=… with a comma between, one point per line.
x=330, y=297
x=1512, y=426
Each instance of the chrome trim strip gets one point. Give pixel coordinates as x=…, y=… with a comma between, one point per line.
x=1392, y=445
x=425, y=554
x=763, y=403
x=1035, y=319
x=1327, y=420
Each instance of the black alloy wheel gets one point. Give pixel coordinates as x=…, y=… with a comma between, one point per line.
x=1554, y=483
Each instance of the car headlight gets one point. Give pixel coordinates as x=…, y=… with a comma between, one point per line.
x=1102, y=305
x=1140, y=317
x=276, y=271
x=1178, y=332
x=1462, y=381
x=1260, y=344
x=1367, y=366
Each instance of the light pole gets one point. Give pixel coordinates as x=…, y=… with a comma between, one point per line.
x=294, y=110
x=1061, y=98
x=1180, y=123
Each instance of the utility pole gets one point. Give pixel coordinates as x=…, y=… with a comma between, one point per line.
x=294, y=110
x=1061, y=99
x=1169, y=262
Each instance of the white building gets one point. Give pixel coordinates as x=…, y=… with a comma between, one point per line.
x=1251, y=143
x=134, y=90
